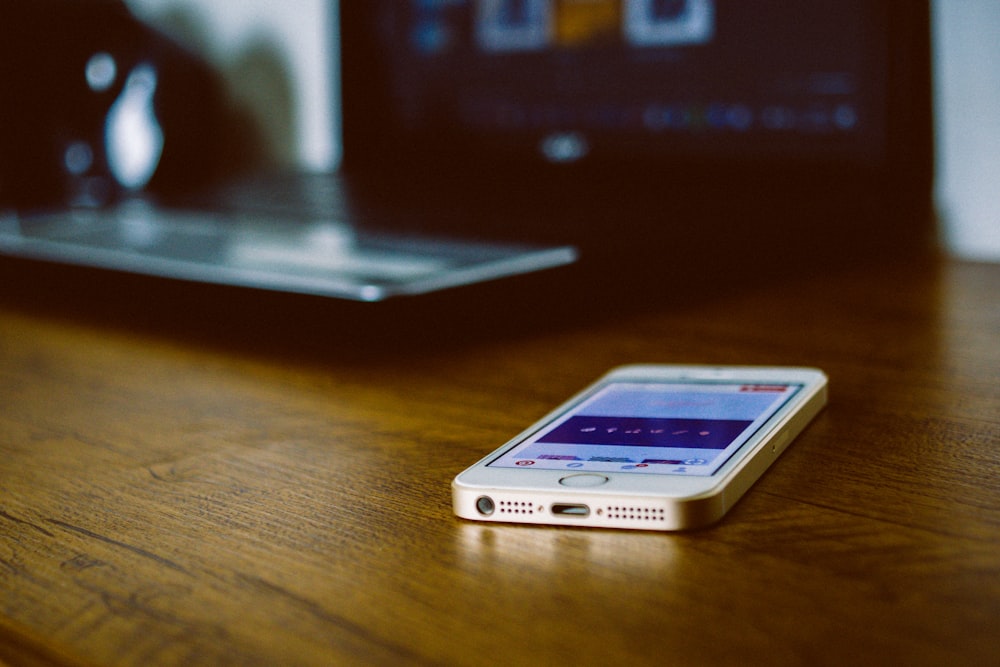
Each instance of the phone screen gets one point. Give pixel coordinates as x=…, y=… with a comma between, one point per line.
x=673, y=428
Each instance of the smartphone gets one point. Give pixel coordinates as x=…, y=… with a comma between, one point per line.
x=654, y=447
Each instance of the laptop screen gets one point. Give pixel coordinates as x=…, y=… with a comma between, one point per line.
x=589, y=80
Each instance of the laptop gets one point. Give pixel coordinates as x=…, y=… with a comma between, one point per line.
x=484, y=139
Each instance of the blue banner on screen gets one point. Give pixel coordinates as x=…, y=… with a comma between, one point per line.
x=672, y=428
x=647, y=432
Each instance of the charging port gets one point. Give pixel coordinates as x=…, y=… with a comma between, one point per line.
x=571, y=511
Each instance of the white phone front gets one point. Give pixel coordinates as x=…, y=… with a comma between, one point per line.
x=655, y=447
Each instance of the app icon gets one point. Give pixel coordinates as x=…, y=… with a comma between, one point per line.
x=513, y=25
x=579, y=24
x=669, y=22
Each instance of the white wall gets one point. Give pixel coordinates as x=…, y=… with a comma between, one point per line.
x=967, y=66
x=292, y=96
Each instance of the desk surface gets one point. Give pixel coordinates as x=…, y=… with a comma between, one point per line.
x=265, y=483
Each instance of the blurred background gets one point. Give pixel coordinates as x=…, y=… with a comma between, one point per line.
x=271, y=55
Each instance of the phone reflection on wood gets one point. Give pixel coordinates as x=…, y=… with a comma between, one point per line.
x=652, y=447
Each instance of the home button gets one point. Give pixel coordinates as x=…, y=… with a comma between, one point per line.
x=583, y=480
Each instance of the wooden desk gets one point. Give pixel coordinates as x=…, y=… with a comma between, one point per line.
x=216, y=478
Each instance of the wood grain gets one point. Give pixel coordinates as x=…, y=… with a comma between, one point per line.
x=179, y=486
